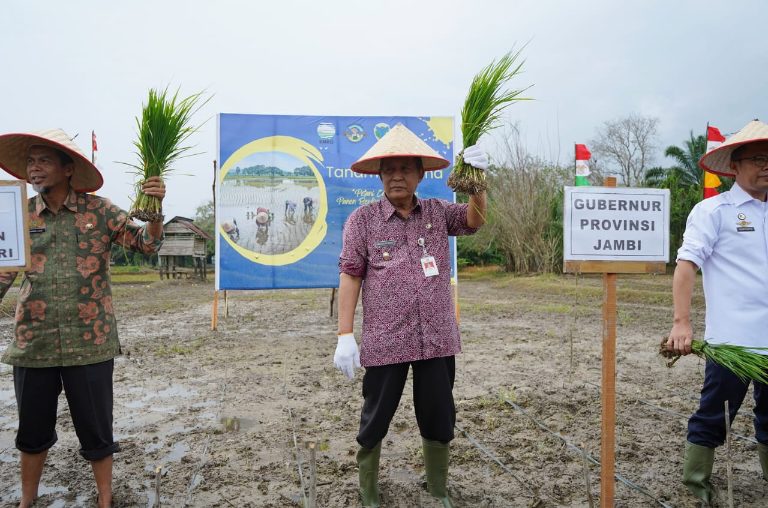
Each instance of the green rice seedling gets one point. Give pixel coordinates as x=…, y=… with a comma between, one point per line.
x=481, y=113
x=746, y=362
x=163, y=128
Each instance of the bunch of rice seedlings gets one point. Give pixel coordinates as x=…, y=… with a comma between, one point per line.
x=743, y=361
x=162, y=129
x=481, y=112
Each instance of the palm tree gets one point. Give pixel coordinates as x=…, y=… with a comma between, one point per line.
x=687, y=172
x=685, y=182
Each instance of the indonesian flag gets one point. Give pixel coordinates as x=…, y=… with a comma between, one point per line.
x=711, y=180
x=582, y=165
x=714, y=138
x=94, y=147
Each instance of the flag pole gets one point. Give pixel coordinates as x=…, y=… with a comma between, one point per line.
x=575, y=174
x=704, y=173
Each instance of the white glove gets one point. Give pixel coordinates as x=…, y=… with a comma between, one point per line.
x=476, y=157
x=347, y=356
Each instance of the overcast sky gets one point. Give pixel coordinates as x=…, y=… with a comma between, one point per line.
x=87, y=65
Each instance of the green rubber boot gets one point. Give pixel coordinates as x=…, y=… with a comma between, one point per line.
x=368, y=471
x=762, y=453
x=697, y=471
x=436, y=467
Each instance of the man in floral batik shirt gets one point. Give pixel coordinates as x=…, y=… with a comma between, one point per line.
x=65, y=333
x=395, y=251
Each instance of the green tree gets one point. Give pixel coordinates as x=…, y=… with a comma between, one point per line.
x=687, y=171
x=205, y=220
x=685, y=182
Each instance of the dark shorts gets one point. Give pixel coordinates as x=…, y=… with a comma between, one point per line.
x=88, y=389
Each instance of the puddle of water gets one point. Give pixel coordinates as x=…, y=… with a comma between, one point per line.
x=153, y=447
x=9, y=423
x=134, y=404
x=176, y=391
x=42, y=490
x=178, y=450
x=7, y=396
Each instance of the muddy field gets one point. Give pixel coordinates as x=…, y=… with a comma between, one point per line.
x=227, y=415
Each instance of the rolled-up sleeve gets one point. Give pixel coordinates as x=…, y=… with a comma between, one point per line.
x=456, y=219
x=700, y=235
x=128, y=234
x=352, y=259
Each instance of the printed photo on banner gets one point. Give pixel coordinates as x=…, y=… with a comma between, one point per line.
x=284, y=190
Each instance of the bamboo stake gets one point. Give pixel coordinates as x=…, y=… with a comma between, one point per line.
x=728, y=461
x=215, y=315
x=585, y=462
x=312, y=475
x=158, y=476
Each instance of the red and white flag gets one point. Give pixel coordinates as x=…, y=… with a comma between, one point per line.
x=94, y=147
x=711, y=180
x=582, y=164
x=714, y=138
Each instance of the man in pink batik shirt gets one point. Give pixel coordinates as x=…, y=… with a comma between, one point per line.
x=399, y=247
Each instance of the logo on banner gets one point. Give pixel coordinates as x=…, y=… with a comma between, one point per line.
x=326, y=132
x=380, y=129
x=354, y=133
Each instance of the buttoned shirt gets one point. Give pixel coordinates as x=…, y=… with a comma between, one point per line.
x=407, y=316
x=727, y=237
x=64, y=314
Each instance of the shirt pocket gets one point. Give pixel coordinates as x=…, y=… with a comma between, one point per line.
x=383, y=255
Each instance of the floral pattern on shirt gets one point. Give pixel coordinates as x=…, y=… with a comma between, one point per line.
x=406, y=315
x=65, y=314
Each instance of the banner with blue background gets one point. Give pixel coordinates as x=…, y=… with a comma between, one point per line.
x=284, y=190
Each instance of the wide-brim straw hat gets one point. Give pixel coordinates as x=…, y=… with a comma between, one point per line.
x=262, y=218
x=719, y=160
x=399, y=142
x=14, y=150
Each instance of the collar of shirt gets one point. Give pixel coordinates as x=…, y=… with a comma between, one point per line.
x=70, y=202
x=739, y=196
x=388, y=209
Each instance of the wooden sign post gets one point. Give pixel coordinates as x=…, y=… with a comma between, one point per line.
x=610, y=231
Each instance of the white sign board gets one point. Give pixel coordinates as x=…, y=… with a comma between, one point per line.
x=14, y=233
x=616, y=224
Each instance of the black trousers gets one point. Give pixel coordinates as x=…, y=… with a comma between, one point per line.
x=707, y=425
x=89, y=393
x=432, y=399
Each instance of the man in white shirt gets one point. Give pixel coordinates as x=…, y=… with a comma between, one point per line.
x=727, y=237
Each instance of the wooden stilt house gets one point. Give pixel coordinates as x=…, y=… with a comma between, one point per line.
x=183, y=251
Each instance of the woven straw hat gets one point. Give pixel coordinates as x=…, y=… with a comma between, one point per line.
x=719, y=160
x=399, y=142
x=262, y=217
x=14, y=149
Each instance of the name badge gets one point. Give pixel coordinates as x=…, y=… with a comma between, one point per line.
x=37, y=230
x=429, y=266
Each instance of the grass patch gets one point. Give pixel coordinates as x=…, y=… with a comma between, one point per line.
x=179, y=348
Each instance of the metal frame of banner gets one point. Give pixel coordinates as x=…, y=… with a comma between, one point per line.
x=610, y=270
